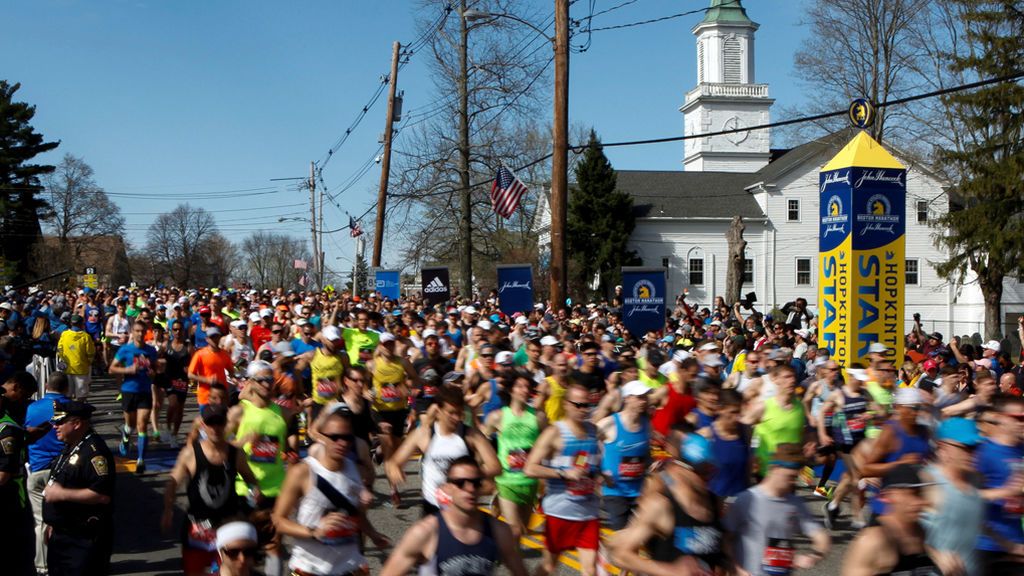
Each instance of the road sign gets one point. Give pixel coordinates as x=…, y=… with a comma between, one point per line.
x=89, y=271
x=91, y=280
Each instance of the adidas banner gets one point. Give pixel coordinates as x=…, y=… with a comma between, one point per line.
x=515, y=288
x=387, y=283
x=644, y=303
x=436, y=286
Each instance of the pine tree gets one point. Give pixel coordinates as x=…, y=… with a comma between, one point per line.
x=984, y=229
x=600, y=220
x=21, y=204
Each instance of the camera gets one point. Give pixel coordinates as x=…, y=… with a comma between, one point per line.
x=748, y=301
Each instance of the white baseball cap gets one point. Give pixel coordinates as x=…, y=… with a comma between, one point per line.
x=549, y=340
x=858, y=373
x=504, y=357
x=521, y=320
x=635, y=388
x=708, y=347
x=877, y=348
x=992, y=345
x=386, y=337
x=469, y=310
x=712, y=361
x=907, y=397
x=483, y=324
x=266, y=313
x=332, y=333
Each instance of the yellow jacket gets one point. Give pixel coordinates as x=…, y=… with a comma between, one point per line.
x=77, y=350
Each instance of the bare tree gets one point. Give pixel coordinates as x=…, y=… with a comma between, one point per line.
x=859, y=49
x=270, y=258
x=176, y=244
x=737, y=260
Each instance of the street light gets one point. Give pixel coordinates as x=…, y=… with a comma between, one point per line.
x=559, y=137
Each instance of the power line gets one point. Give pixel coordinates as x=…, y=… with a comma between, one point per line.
x=663, y=18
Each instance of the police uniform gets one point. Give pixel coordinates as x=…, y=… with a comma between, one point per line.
x=17, y=536
x=82, y=535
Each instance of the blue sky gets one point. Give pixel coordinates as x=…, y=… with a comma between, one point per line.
x=167, y=99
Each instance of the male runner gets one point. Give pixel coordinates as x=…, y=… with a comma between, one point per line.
x=626, y=443
x=136, y=361
x=459, y=539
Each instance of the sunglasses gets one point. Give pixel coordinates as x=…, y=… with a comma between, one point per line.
x=962, y=446
x=278, y=331
x=336, y=437
x=487, y=355
x=462, y=482
x=264, y=380
x=590, y=353
x=581, y=405
x=233, y=553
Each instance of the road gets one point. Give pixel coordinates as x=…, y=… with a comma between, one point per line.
x=141, y=549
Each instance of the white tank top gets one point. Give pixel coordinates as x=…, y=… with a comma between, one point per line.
x=342, y=555
x=441, y=452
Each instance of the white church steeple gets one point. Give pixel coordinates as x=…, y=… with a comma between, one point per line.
x=726, y=96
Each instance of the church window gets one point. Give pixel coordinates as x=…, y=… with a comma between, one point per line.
x=803, y=271
x=922, y=211
x=748, y=270
x=696, y=271
x=733, y=56
x=793, y=210
x=913, y=275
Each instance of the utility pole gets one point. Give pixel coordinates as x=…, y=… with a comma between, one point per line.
x=465, y=194
x=385, y=162
x=560, y=157
x=312, y=216
x=320, y=240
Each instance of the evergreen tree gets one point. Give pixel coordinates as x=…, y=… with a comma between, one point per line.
x=600, y=220
x=984, y=228
x=362, y=277
x=21, y=205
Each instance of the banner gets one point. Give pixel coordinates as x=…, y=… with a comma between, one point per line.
x=644, y=303
x=861, y=252
x=436, y=285
x=387, y=282
x=515, y=288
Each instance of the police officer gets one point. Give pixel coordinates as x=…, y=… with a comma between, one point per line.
x=17, y=539
x=77, y=503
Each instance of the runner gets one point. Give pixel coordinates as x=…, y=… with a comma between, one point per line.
x=390, y=397
x=327, y=364
x=517, y=427
x=440, y=443
x=567, y=457
x=260, y=429
x=626, y=444
x=763, y=521
x=850, y=406
x=320, y=505
x=826, y=381
x=589, y=374
x=207, y=469
x=177, y=357
x=136, y=362
x=76, y=350
x=360, y=337
x=893, y=543
x=210, y=365
x=674, y=401
x=459, y=539
x=777, y=419
x=551, y=392
x=730, y=445
x=677, y=521
x=237, y=547
x=999, y=458
x=117, y=333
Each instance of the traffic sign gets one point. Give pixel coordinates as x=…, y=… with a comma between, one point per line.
x=89, y=270
x=90, y=280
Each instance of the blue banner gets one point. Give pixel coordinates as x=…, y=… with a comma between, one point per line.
x=388, y=284
x=515, y=288
x=643, y=307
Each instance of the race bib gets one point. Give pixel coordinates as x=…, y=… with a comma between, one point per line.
x=343, y=534
x=389, y=393
x=326, y=388
x=595, y=397
x=858, y=423
x=584, y=486
x=179, y=385
x=1014, y=506
x=516, y=460
x=201, y=535
x=778, y=557
x=429, y=391
x=264, y=450
x=631, y=467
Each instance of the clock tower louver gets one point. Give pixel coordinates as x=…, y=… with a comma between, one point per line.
x=726, y=96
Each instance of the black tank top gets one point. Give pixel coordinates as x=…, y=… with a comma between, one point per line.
x=362, y=423
x=211, y=491
x=453, y=558
x=690, y=537
x=177, y=363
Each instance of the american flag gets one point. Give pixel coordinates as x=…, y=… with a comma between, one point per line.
x=506, y=192
x=299, y=264
x=354, y=229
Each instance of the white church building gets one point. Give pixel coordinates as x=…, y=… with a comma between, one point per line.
x=682, y=216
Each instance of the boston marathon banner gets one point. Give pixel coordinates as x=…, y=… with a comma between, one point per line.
x=861, y=252
x=387, y=283
x=515, y=288
x=436, y=286
x=644, y=304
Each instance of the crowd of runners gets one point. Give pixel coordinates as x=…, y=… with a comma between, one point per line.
x=675, y=452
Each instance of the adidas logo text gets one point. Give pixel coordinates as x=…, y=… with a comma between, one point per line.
x=435, y=286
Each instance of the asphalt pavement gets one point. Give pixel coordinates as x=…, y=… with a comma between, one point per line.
x=141, y=549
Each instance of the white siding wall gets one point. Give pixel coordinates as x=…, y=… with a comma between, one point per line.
x=679, y=240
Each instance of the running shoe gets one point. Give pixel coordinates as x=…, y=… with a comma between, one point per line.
x=807, y=477
x=824, y=492
x=140, y=467
x=173, y=440
x=830, y=516
x=122, y=447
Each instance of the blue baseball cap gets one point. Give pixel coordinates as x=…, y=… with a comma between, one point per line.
x=696, y=450
x=959, y=430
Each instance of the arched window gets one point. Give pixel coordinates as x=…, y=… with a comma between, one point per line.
x=733, y=58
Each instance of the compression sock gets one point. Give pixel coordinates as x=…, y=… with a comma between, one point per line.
x=826, y=473
x=140, y=446
x=833, y=505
